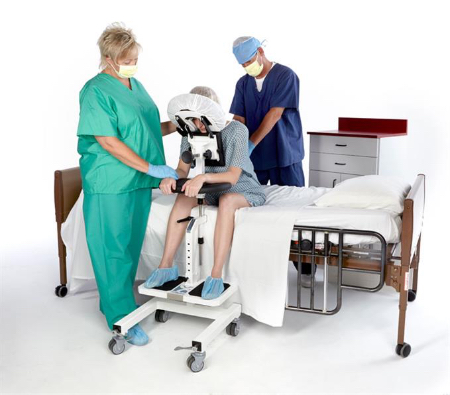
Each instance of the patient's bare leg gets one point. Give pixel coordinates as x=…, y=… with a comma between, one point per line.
x=175, y=231
x=223, y=235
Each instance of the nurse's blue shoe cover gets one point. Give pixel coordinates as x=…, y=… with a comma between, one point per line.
x=161, y=276
x=212, y=288
x=136, y=336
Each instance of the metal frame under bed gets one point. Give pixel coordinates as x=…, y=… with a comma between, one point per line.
x=329, y=254
x=393, y=270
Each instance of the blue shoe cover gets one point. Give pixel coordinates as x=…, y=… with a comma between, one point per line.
x=212, y=288
x=136, y=336
x=161, y=276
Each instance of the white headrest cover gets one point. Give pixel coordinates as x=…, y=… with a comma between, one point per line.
x=197, y=103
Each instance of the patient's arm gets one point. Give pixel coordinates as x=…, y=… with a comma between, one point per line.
x=183, y=169
x=192, y=187
x=231, y=176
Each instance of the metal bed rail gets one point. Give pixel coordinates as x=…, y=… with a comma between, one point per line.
x=319, y=254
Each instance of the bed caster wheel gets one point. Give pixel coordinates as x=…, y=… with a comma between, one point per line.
x=61, y=291
x=116, y=347
x=161, y=316
x=234, y=328
x=195, y=364
x=411, y=295
x=403, y=349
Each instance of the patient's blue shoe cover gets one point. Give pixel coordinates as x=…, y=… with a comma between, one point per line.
x=161, y=276
x=212, y=288
x=136, y=336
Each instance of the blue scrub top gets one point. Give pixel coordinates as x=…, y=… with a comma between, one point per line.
x=283, y=146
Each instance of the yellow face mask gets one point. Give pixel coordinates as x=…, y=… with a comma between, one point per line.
x=125, y=71
x=254, y=69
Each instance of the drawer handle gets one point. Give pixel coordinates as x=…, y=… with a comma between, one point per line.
x=340, y=164
x=341, y=145
x=334, y=182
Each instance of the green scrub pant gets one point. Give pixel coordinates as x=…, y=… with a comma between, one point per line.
x=115, y=230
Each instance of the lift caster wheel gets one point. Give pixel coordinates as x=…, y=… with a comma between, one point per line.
x=411, y=295
x=161, y=316
x=116, y=347
x=194, y=365
x=61, y=291
x=233, y=328
x=403, y=349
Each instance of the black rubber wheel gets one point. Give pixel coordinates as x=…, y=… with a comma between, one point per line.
x=61, y=291
x=403, y=350
x=233, y=329
x=411, y=295
x=114, y=347
x=193, y=366
x=161, y=316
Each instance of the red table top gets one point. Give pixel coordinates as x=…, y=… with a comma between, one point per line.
x=367, y=127
x=342, y=133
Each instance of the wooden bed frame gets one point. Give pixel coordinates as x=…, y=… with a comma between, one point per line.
x=397, y=270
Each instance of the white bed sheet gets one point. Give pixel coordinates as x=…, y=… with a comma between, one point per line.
x=380, y=221
x=259, y=256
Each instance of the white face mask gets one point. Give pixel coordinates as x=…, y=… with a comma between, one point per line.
x=125, y=71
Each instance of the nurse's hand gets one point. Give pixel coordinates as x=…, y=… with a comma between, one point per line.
x=162, y=171
x=192, y=187
x=167, y=185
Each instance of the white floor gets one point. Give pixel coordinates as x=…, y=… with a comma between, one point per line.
x=53, y=345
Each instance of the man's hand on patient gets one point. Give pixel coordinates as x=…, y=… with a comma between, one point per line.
x=192, y=187
x=167, y=186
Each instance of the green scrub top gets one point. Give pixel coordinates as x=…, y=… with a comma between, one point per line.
x=109, y=108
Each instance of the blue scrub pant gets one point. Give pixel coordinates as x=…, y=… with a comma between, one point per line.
x=290, y=176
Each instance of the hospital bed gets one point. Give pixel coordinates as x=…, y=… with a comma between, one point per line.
x=395, y=260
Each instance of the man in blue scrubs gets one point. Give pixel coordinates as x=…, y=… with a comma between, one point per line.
x=266, y=100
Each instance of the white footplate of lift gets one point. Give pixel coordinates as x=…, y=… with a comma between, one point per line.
x=181, y=294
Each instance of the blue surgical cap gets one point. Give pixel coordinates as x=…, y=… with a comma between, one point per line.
x=244, y=48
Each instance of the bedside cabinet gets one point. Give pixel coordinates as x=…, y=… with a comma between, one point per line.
x=351, y=151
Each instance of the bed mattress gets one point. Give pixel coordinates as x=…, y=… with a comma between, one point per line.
x=381, y=221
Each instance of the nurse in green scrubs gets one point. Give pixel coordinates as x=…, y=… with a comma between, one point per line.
x=122, y=159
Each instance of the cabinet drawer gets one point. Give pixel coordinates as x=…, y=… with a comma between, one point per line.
x=327, y=179
x=343, y=164
x=345, y=145
x=323, y=179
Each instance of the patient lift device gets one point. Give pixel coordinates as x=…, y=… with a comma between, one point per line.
x=184, y=294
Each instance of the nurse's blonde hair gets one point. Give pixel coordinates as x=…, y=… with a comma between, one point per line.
x=116, y=42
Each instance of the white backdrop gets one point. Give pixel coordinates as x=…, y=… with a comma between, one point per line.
x=380, y=59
